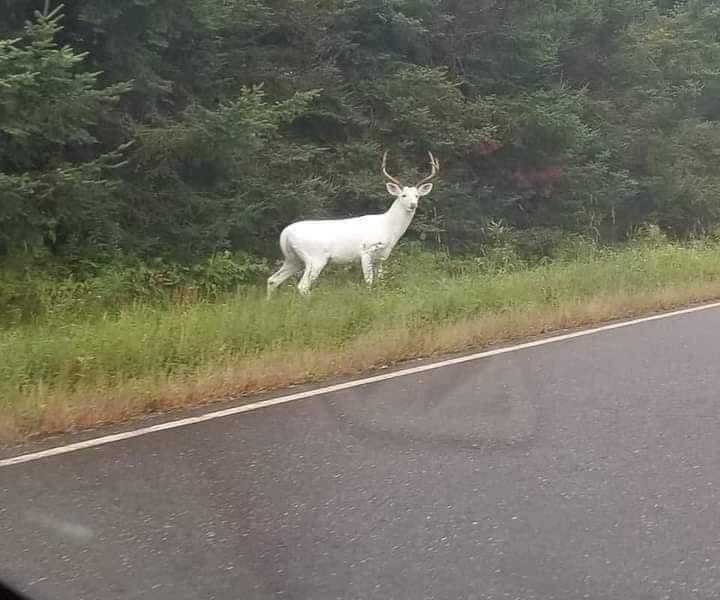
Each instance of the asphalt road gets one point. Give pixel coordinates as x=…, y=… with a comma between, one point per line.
x=588, y=468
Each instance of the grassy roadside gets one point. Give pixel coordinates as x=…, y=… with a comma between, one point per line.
x=66, y=371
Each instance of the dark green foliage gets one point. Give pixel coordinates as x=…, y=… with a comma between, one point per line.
x=56, y=187
x=179, y=129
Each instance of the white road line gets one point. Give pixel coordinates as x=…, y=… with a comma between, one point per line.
x=219, y=414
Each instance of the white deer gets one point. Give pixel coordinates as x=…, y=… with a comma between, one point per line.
x=311, y=245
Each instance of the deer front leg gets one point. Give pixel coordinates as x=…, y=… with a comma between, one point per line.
x=372, y=258
x=367, y=267
x=379, y=272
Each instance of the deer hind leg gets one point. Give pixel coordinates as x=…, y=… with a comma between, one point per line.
x=312, y=272
x=284, y=273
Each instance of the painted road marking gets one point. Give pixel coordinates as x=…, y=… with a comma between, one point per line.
x=219, y=414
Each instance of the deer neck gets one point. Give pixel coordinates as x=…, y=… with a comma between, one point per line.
x=398, y=219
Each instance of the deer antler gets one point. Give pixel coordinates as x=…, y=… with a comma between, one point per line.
x=384, y=170
x=435, y=166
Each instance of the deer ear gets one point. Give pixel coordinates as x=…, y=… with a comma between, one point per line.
x=393, y=189
x=424, y=189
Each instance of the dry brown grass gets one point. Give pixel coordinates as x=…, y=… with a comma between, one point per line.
x=49, y=411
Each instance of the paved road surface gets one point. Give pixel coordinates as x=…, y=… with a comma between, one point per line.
x=583, y=469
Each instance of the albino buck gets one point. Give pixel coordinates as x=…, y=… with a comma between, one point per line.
x=311, y=245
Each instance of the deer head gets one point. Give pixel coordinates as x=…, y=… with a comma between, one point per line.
x=408, y=196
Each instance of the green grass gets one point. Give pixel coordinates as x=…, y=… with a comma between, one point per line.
x=89, y=363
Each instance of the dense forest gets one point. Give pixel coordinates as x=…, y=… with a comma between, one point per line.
x=175, y=129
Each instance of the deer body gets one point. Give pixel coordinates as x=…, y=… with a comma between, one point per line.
x=309, y=246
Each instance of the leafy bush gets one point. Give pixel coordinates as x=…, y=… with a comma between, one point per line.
x=29, y=292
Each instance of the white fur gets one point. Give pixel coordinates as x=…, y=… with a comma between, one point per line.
x=310, y=245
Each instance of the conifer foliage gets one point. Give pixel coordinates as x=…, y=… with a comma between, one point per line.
x=176, y=129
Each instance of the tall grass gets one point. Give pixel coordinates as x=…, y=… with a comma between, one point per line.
x=89, y=363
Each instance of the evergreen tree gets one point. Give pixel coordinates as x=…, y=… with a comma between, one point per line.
x=57, y=191
x=591, y=116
